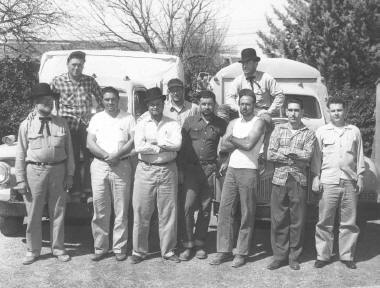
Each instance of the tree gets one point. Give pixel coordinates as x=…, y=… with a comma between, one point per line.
x=24, y=21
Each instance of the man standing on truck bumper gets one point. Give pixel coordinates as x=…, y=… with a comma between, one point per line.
x=269, y=96
x=200, y=139
x=290, y=148
x=44, y=170
x=340, y=165
x=110, y=139
x=76, y=91
x=243, y=139
x=157, y=140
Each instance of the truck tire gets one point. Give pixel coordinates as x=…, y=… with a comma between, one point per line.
x=10, y=225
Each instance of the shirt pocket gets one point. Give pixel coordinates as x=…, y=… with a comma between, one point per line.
x=328, y=145
x=195, y=133
x=35, y=141
x=58, y=140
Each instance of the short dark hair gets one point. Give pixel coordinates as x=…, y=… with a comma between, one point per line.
x=336, y=100
x=207, y=94
x=110, y=89
x=247, y=92
x=77, y=55
x=294, y=100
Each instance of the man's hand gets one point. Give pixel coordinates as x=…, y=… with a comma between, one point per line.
x=359, y=185
x=112, y=159
x=316, y=187
x=68, y=183
x=22, y=188
x=223, y=168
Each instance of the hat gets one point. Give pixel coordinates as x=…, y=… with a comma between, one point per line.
x=154, y=94
x=42, y=89
x=175, y=82
x=248, y=54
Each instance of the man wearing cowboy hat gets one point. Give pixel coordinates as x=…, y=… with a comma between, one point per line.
x=157, y=141
x=269, y=96
x=44, y=171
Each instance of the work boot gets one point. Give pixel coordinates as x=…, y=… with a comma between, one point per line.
x=238, y=261
x=275, y=265
x=29, y=259
x=201, y=253
x=349, y=264
x=320, y=263
x=185, y=255
x=220, y=258
x=120, y=256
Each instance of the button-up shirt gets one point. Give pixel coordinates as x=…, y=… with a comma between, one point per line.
x=150, y=135
x=32, y=146
x=75, y=98
x=180, y=114
x=200, y=138
x=268, y=94
x=340, y=153
x=284, y=141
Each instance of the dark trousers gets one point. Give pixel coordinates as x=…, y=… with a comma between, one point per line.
x=79, y=141
x=197, y=195
x=239, y=184
x=288, y=211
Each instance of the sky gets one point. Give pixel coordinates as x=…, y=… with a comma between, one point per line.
x=243, y=18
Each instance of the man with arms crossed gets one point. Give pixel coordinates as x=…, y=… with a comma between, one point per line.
x=110, y=139
x=157, y=140
x=200, y=138
x=290, y=148
x=243, y=138
x=340, y=164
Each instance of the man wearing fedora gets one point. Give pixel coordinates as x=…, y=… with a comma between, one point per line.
x=157, y=140
x=269, y=96
x=44, y=171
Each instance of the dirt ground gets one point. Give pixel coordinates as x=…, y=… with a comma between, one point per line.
x=155, y=272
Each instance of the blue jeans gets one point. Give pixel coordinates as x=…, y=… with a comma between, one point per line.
x=239, y=184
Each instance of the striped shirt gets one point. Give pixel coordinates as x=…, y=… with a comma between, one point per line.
x=282, y=142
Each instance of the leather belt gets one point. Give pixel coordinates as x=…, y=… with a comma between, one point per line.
x=45, y=163
x=122, y=158
x=155, y=164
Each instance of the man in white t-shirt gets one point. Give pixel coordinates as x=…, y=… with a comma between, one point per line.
x=110, y=139
x=243, y=139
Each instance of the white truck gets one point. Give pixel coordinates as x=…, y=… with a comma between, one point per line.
x=128, y=71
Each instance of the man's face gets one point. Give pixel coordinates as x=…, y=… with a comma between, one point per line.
x=206, y=106
x=337, y=113
x=176, y=93
x=45, y=104
x=156, y=107
x=75, y=67
x=246, y=106
x=249, y=67
x=294, y=113
x=110, y=102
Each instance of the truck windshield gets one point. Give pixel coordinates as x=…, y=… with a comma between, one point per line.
x=310, y=105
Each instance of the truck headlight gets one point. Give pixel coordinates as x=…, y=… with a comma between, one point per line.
x=5, y=172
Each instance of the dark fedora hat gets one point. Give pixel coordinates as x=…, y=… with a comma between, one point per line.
x=248, y=54
x=42, y=89
x=154, y=94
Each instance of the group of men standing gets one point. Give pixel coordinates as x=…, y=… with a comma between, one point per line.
x=177, y=143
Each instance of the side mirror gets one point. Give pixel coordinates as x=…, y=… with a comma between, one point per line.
x=9, y=139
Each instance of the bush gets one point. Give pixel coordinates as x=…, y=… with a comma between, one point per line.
x=17, y=76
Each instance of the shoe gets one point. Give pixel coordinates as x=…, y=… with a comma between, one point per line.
x=173, y=258
x=63, y=257
x=275, y=265
x=201, y=253
x=29, y=260
x=349, y=264
x=238, y=261
x=294, y=265
x=185, y=255
x=135, y=259
x=120, y=256
x=98, y=256
x=220, y=258
x=320, y=263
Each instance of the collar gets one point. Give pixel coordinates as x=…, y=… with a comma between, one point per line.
x=67, y=77
x=287, y=126
x=200, y=118
x=331, y=126
x=176, y=108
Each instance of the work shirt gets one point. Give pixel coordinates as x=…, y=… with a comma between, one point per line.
x=240, y=158
x=75, y=98
x=340, y=153
x=112, y=133
x=180, y=114
x=200, y=138
x=36, y=147
x=269, y=95
x=150, y=135
x=299, y=142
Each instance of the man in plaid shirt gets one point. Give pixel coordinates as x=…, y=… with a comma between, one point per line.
x=290, y=148
x=76, y=92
